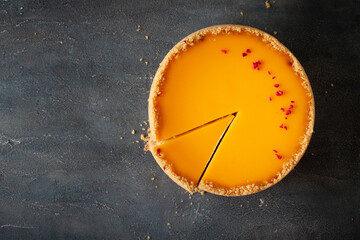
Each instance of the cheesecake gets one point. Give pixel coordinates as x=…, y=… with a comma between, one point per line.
x=231, y=111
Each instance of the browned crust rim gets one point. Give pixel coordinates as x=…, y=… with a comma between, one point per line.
x=153, y=114
x=167, y=167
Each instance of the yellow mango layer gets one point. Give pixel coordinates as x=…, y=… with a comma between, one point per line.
x=189, y=153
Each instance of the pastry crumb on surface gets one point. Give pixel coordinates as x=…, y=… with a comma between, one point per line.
x=141, y=59
x=242, y=13
x=152, y=179
x=133, y=132
x=121, y=138
x=331, y=84
x=147, y=63
x=144, y=138
x=148, y=237
x=169, y=224
x=267, y=4
x=147, y=37
x=106, y=99
x=275, y=33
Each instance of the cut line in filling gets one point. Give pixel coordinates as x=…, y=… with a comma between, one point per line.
x=184, y=157
x=196, y=128
x=216, y=147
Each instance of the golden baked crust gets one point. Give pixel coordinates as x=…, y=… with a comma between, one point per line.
x=167, y=167
x=156, y=89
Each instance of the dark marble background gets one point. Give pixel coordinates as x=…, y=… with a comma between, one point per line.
x=71, y=84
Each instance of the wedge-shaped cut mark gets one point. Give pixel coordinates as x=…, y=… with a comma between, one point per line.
x=185, y=156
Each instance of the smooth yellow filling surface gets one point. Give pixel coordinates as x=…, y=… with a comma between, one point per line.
x=189, y=153
x=211, y=79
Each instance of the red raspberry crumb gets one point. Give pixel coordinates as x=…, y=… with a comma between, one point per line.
x=244, y=54
x=291, y=106
x=279, y=93
x=273, y=77
x=285, y=127
x=274, y=150
x=278, y=156
x=224, y=51
x=248, y=51
x=270, y=98
x=288, y=112
x=292, y=101
x=282, y=126
x=282, y=109
x=276, y=85
x=256, y=64
x=269, y=73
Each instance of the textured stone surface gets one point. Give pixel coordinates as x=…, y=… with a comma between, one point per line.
x=71, y=84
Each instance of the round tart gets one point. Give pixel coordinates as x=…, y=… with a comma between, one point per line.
x=231, y=111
